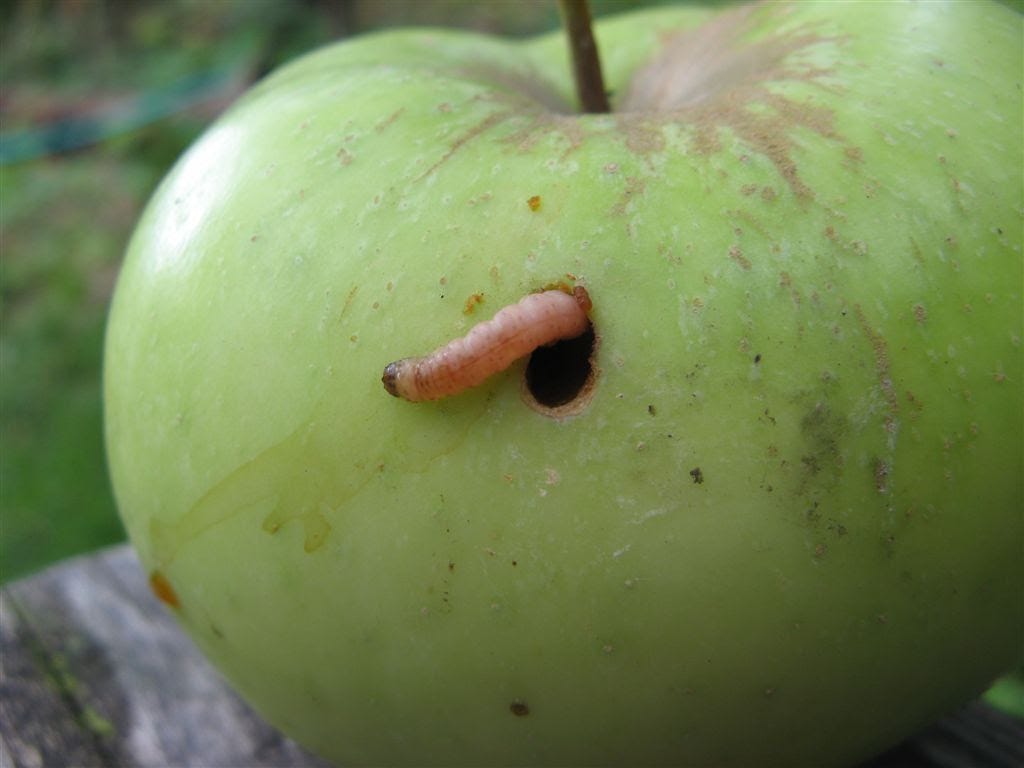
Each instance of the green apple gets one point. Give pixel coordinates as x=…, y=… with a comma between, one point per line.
x=782, y=520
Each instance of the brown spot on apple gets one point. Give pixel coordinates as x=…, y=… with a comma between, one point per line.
x=349, y=298
x=821, y=461
x=633, y=187
x=389, y=120
x=643, y=137
x=736, y=254
x=882, y=368
x=489, y=122
x=519, y=708
x=161, y=587
x=880, y=472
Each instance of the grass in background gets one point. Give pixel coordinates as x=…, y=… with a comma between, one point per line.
x=60, y=254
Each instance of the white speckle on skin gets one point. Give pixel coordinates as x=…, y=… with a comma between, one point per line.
x=649, y=514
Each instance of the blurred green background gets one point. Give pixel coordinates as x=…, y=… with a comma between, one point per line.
x=97, y=100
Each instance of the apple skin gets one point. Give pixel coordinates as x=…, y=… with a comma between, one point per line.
x=805, y=262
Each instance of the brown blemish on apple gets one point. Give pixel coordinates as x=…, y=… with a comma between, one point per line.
x=837, y=528
x=519, y=708
x=633, y=187
x=534, y=203
x=489, y=122
x=736, y=254
x=472, y=302
x=707, y=78
x=915, y=251
x=920, y=313
x=543, y=124
x=823, y=430
x=881, y=354
x=161, y=587
x=388, y=121
x=754, y=223
x=643, y=137
x=880, y=472
x=813, y=515
x=915, y=403
x=349, y=298
x=705, y=82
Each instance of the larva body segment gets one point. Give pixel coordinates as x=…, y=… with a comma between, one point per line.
x=490, y=347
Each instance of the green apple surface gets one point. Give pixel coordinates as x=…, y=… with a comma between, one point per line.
x=781, y=523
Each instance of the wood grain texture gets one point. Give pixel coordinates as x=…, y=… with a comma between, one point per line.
x=95, y=672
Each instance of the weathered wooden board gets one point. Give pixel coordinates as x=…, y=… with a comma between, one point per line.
x=94, y=672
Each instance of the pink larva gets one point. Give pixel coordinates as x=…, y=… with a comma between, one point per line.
x=490, y=347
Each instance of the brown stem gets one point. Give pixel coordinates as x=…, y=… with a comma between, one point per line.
x=586, y=63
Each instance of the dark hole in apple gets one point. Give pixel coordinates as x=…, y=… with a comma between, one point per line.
x=558, y=374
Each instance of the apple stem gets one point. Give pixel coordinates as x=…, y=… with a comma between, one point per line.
x=586, y=63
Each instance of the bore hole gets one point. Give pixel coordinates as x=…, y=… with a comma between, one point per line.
x=561, y=374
